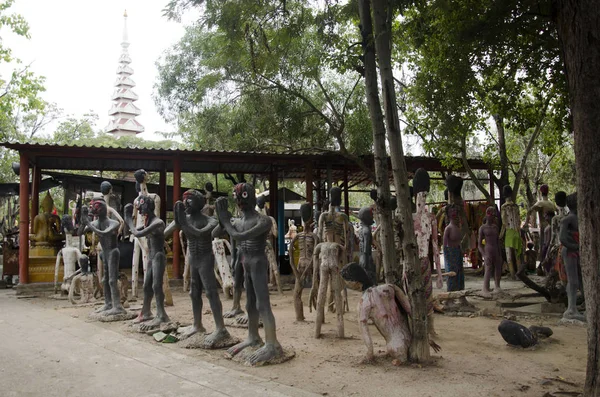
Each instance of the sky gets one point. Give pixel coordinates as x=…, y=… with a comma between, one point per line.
x=76, y=45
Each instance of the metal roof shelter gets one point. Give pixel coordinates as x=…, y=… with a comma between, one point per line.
x=309, y=167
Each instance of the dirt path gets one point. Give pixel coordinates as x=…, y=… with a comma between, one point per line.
x=475, y=360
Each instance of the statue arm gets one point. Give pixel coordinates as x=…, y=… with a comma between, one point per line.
x=157, y=225
x=480, y=241
x=206, y=231
x=116, y=214
x=291, y=252
x=171, y=227
x=274, y=227
x=312, y=300
x=113, y=227
x=262, y=226
x=446, y=235
x=402, y=299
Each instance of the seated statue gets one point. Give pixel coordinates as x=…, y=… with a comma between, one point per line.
x=46, y=226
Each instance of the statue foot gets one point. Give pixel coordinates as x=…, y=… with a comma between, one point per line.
x=368, y=359
x=103, y=308
x=574, y=315
x=213, y=339
x=232, y=313
x=265, y=353
x=243, y=319
x=151, y=325
x=486, y=294
x=115, y=310
x=191, y=330
x=232, y=351
x=143, y=317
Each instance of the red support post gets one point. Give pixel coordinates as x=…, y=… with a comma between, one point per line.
x=346, y=198
x=36, y=179
x=24, y=218
x=176, y=195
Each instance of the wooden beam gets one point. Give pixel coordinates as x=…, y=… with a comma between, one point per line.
x=24, y=218
x=309, y=183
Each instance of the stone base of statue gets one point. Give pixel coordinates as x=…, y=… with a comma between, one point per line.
x=199, y=341
x=571, y=322
x=243, y=356
x=103, y=317
x=43, y=250
x=240, y=321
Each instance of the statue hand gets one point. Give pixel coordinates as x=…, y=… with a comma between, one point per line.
x=178, y=212
x=85, y=215
x=128, y=212
x=312, y=298
x=222, y=207
x=439, y=283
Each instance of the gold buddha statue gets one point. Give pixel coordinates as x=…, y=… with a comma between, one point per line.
x=46, y=230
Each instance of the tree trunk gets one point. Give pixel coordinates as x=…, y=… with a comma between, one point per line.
x=578, y=23
x=382, y=180
x=419, y=349
x=503, y=180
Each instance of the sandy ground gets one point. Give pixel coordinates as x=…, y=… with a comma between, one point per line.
x=474, y=361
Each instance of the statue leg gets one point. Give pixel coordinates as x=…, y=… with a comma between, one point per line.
x=321, y=297
x=275, y=279
x=253, y=313
x=487, y=262
x=511, y=258
x=238, y=285
x=167, y=288
x=103, y=264
x=100, y=269
x=159, y=263
x=571, y=267
x=209, y=280
x=186, y=272
x=196, y=297
x=146, y=313
x=497, y=274
x=135, y=266
x=336, y=286
x=112, y=267
x=259, y=269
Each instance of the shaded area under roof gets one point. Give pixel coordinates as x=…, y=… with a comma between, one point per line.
x=286, y=166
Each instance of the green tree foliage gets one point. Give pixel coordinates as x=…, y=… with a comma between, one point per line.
x=270, y=75
x=473, y=62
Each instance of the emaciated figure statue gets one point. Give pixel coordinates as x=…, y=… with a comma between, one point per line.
x=542, y=207
x=365, y=238
x=70, y=255
x=250, y=233
x=153, y=230
x=198, y=228
x=106, y=229
x=85, y=283
x=389, y=309
x=326, y=260
x=569, y=238
x=511, y=231
x=490, y=252
x=274, y=278
x=46, y=226
x=307, y=240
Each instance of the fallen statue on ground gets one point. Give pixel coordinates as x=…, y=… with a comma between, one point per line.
x=389, y=309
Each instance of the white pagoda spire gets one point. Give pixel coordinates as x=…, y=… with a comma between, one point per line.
x=123, y=111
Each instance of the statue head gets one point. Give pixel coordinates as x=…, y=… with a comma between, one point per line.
x=245, y=196
x=306, y=213
x=507, y=192
x=572, y=202
x=544, y=189
x=261, y=201
x=66, y=223
x=452, y=212
x=454, y=184
x=47, y=203
x=146, y=205
x=335, y=196
x=105, y=187
x=561, y=199
x=365, y=214
x=208, y=187
x=373, y=194
x=356, y=277
x=193, y=200
x=421, y=181
x=84, y=264
x=140, y=177
x=490, y=214
x=98, y=207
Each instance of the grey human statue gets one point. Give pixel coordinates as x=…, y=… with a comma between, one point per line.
x=197, y=228
x=153, y=277
x=106, y=229
x=569, y=238
x=307, y=241
x=269, y=248
x=365, y=238
x=490, y=251
x=250, y=232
